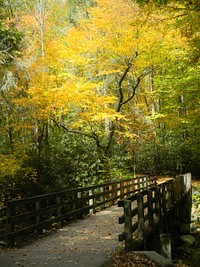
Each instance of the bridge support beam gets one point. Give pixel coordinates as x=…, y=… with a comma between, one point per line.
x=165, y=246
x=184, y=205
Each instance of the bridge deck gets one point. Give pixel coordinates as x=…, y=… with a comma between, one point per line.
x=85, y=243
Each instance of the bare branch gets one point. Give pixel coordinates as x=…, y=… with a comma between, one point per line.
x=93, y=136
x=135, y=87
x=70, y=130
x=129, y=64
x=121, y=95
x=6, y=52
x=133, y=91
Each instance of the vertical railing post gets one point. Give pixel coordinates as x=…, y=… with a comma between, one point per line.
x=125, y=188
x=150, y=207
x=79, y=203
x=111, y=195
x=79, y=195
x=37, y=207
x=182, y=185
x=138, y=185
x=127, y=224
x=164, y=209
x=141, y=184
x=158, y=207
x=169, y=205
x=10, y=225
x=132, y=186
x=145, y=182
x=187, y=182
x=91, y=201
x=38, y=216
x=148, y=181
x=168, y=194
x=185, y=205
x=140, y=204
x=114, y=192
x=74, y=204
x=178, y=188
x=172, y=197
x=165, y=246
x=122, y=189
x=102, y=197
x=118, y=191
x=58, y=202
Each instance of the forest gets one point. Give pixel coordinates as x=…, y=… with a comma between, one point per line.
x=97, y=90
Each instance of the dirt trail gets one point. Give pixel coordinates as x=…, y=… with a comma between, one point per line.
x=85, y=243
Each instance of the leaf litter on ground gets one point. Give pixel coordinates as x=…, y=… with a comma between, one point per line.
x=132, y=259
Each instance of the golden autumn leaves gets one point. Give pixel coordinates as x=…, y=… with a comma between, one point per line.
x=77, y=73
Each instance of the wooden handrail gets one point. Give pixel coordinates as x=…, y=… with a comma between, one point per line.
x=27, y=215
x=151, y=210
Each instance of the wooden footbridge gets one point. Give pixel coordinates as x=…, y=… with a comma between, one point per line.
x=150, y=208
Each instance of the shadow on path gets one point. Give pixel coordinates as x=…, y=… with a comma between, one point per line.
x=84, y=243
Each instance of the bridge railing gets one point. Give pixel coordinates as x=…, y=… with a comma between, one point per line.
x=2, y=224
x=153, y=211
x=31, y=215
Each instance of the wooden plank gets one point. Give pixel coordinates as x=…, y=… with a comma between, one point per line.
x=40, y=211
x=128, y=224
x=150, y=207
x=140, y=204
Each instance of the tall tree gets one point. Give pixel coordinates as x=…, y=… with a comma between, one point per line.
x=116, y=49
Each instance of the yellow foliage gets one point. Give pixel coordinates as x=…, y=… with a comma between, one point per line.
x=9, y=165
x=78, y=72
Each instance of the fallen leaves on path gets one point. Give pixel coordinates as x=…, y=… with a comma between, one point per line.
x=132, y=259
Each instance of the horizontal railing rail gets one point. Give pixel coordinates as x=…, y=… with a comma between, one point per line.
x=152, y=210
x=30, y=215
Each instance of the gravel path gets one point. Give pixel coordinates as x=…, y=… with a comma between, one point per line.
x=84, y=243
